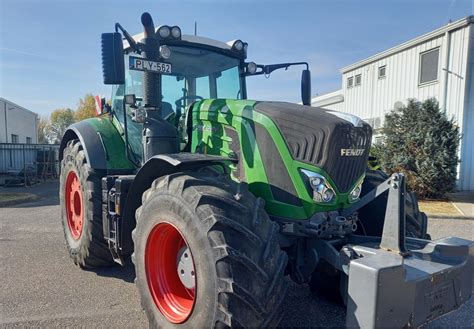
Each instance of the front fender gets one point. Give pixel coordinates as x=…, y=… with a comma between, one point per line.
x=158, y=166
x=103, y=144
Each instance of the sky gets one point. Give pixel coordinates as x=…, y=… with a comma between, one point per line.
x=50, y=50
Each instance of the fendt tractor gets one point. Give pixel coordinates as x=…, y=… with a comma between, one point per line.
x=218, y=200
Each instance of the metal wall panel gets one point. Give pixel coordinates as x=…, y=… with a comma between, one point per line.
x=375, y=97
x=466, y=181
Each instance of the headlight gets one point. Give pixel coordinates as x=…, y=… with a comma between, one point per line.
x=328, y=195
x=251, y=67
x=355, y=193
x=164, y=31
x=176, y=32
x=165, y=52
x=322, y=191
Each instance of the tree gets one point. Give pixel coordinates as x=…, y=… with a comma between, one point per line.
x=59, y=121
x=86, y=108
x=42, y=126
x=421, y=142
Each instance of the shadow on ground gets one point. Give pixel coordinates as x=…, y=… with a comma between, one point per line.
x=42, y=202
x=47, y=193
x=125, y=273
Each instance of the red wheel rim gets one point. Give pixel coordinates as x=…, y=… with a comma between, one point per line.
x=163, y=252
x=74, y=211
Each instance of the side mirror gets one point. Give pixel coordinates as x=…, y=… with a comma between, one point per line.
x=113, y=63
x=131, y=100
x=306, y=87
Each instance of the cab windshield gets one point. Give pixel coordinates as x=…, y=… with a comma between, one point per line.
x=195, y=74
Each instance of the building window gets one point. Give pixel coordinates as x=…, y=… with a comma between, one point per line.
x=382, y=71
x=350, y=82
x=15, y=138
x=358, y=80
x=378, y=140
x=429, y=66
x=28, y=140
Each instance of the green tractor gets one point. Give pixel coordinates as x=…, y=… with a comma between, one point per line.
x=217, y=198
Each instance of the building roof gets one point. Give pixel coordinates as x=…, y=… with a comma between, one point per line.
x=17, y=106
x=327, y=99
x=425, y=37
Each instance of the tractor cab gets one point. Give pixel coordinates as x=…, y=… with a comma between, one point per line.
x=191, y=69
x=179, y=70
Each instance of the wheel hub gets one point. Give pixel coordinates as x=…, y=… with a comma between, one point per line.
x=186, y=268
x=73, y=203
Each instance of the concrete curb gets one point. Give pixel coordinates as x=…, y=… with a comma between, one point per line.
x=446, y=216
x=24, y=197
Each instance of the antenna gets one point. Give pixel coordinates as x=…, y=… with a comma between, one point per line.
x=195, y=28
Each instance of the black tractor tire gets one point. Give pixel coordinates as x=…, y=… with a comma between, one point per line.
x=371, y=217
x=234, y=245
x=86, y=245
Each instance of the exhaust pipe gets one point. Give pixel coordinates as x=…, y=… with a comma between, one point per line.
x=148, y=25
x=158, y=136
x=151, y=81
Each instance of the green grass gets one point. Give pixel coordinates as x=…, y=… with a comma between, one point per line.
x=14, y=196
x=438, y=207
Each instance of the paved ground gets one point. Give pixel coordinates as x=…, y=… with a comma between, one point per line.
x=39, y=285
x=464, y=202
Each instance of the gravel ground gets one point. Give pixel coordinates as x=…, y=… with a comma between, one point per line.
x=41, y=287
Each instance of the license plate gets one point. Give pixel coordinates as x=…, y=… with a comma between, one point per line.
x=141, y=64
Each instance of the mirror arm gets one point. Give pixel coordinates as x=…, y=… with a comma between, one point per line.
x=128, y=37
x=267, y=69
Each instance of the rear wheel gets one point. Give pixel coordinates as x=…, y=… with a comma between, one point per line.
x=205, y=257
x=81, y=213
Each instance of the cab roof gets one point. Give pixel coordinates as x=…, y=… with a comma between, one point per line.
x=188, y=38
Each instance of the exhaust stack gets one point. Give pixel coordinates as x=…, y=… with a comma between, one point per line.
x=158, y=136
x=151, y=81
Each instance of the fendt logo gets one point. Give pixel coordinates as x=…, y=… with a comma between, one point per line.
x=352, y=152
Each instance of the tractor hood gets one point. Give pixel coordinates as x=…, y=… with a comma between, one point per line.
x=336, y=142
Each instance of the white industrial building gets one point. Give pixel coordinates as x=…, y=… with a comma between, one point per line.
x=17, y=124
x=438, y=64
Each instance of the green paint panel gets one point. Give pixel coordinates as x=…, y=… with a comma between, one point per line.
x=214, y=124
x=113, y=142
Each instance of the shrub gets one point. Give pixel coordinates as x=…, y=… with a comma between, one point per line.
x=374, y=162
x=421, y=142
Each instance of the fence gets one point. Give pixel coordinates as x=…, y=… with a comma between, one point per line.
x=28, y=163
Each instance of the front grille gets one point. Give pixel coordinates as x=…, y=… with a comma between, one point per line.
x=346, y=169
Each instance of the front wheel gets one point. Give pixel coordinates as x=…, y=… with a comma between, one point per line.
x=206, y=258
x=372, y=216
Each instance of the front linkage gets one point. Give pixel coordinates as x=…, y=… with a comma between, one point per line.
x=394, y=281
